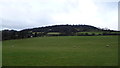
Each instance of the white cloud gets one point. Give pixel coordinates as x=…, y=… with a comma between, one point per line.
x=85, y=12
x=21, y=14
x=88, y=12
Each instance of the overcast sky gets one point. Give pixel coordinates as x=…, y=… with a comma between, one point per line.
x=21, y=14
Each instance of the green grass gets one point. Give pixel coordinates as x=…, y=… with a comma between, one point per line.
x=90, y=32
x=54, y=33
x=97, y=33
x=61, y=51
x=0, y=54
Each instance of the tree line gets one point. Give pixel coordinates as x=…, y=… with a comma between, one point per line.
x=63, y=30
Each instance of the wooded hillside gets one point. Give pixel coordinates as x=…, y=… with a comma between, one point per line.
x=57, y=30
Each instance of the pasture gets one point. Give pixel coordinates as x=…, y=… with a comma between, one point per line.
x=0, y=53
x=61, y=51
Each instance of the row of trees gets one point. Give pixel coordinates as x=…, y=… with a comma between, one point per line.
x=11, y=34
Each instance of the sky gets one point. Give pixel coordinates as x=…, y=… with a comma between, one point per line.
x=22, y=14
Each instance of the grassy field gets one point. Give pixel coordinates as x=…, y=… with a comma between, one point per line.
x=0, y=53
x=61, y=51
x=96, y=33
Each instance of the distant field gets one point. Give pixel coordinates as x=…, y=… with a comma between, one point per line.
x=53, y=33
x=61, y=51
x=96, y=33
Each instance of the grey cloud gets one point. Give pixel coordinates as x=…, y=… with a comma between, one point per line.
x=22, y=24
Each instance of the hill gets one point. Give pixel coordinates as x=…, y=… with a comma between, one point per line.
x=57, y=30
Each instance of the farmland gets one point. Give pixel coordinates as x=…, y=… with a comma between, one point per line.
x=0, y=53
x=61, y=51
